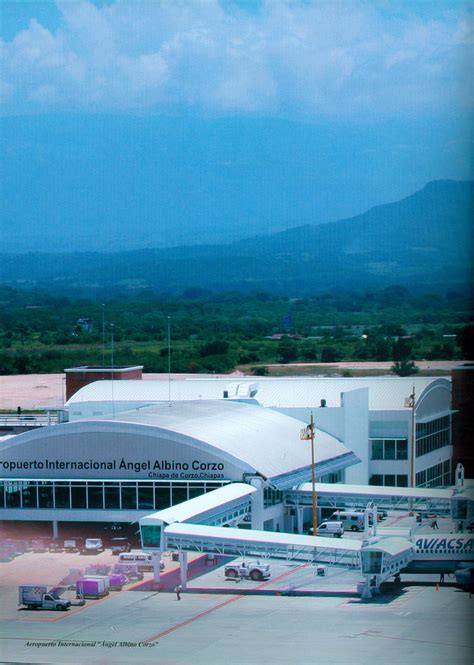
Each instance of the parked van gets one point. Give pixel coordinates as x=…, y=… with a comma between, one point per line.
x=352, y=520
x=142, y=559
x=335, y=529
x=120, y=545
x=93, y=546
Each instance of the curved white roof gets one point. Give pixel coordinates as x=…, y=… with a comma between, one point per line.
x=194, y=508
x=385, y=393
x=254, y=439
x=267, y=441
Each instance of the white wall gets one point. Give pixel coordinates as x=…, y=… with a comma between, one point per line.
x=355, y=409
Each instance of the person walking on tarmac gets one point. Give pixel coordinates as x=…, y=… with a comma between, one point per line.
x=434, y=523
x=177, y=591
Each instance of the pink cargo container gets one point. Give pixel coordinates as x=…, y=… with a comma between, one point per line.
x=91, y=588
x=116, y=581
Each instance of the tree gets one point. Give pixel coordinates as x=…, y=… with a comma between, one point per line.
x=260, y=370
x=329, y=355
x=287, y=350
x=215, y=347
x=401, y=353
x=401, y=350
x=404, y=367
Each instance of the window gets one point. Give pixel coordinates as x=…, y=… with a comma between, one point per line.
x=402, y=481
x=61, y=495
x=371, y=562
x=13, y=498
x=389, y=449
x=151, y=535
x=389, y=480
x=433, y=435
x=95, y=496
x=129, y=496
x=377, y=449
x=180, y=494
x=402, y=450
x=435, y=476
x=145, y=497
x=162, y=496
x=111, y=497
x=78, y=496
x=29, y=495
x=45, y=495
x=195, y=490
x=376, y=479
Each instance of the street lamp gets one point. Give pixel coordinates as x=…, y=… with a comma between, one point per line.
x=410, y=402
x=307, y=433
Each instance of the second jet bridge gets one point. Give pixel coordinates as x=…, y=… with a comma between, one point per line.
x=226, y=505
x=244, y=542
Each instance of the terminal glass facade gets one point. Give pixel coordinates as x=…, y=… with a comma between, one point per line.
x=100, y=494
x=389, y=449
x=389, y=479
x=438, y=475
x=433, y=435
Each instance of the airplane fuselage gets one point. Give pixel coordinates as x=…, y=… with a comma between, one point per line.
x=443, y=553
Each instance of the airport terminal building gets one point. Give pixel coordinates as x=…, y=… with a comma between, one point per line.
x=137, y=446
x=374, y=417
x=122, y=468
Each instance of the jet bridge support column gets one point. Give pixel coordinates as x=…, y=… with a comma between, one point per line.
x=299, y=519
x=156, y=560
x=257, y=503
x=183, y=563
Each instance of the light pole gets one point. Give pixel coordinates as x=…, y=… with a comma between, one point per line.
x=169, y=360
x=112, y=367
x=308, y=433
x=313, y=478
x=103, y=334
x=411, y=403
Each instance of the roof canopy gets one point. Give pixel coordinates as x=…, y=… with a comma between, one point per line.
x=385, y=393
x=247, y=438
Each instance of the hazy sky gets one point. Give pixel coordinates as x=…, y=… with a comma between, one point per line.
x=385, y=86
x=300, y=59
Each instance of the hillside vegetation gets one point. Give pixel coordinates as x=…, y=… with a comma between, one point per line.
x=40, y=332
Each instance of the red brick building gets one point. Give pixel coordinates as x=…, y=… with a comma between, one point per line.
x=78, y=377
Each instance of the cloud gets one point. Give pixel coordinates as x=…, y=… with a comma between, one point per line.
x=316, y=59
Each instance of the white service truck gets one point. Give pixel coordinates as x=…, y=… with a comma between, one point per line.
x=253, y=570
x=37, y=596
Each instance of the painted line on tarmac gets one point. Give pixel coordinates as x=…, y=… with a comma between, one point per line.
x=413, y=639
x=397, y=519
x=200, y=615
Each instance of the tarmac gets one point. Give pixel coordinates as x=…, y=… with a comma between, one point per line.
x=417, y=626
x=295, y=617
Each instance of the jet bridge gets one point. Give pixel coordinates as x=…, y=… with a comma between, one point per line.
x=226, y=505
x=382, y=558
x=339, y=496
x=193, y=526
x=244, y=542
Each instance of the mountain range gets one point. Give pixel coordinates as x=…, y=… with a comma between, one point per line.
x=423, y=242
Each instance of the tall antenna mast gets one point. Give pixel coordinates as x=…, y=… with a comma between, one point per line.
x=112, y=366
x=103, y=334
